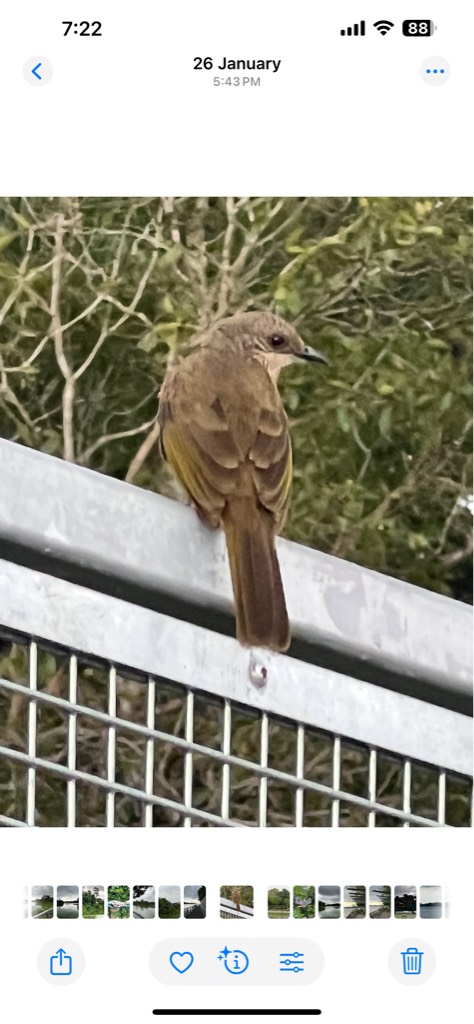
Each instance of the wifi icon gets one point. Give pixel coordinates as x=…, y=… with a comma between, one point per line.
x=383, y=26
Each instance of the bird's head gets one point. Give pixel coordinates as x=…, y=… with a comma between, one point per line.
x=270, y=339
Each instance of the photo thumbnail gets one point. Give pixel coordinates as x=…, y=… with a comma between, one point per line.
x=67, y=901
x=118, y=901
x=42, y=902
x=380, y=901
x=279, y=903
x=93, y=901
x=431, y=901
x=236, y=902
x=194, y=902
x=329, y=901
x=405, y=901
x=303, y=901
x=144, y=901
x=169, y=902
x=354, y=901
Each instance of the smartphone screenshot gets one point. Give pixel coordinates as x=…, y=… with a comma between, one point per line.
x=236, y=511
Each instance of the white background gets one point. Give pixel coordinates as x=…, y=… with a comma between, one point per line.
x=126, y=114
x=356, y=983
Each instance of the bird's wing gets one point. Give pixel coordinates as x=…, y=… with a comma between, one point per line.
x=198, y=446
x=218, y=447
x=271, y=460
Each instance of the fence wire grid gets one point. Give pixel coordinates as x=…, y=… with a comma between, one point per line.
x=125, y=701
x=88, y=745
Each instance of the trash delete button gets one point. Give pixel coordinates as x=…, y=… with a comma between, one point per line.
x=412, y=961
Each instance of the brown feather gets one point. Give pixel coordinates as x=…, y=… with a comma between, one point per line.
x=261, y=615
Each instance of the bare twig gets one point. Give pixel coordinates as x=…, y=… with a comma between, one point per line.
x=57, y=334
x=94, y=350
x=84, y=458
x=454, y=557
x=142, y=453
x=11, y=299
x=225, y=285
x=367, y=452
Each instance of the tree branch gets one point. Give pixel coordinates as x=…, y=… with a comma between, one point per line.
x=57, y=334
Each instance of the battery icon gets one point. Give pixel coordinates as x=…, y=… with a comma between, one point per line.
x=418, y=28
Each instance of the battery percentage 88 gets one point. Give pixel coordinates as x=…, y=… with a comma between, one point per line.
x=418, y=28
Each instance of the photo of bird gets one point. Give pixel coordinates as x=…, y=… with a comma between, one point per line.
x=299, y=551
x=225, y=433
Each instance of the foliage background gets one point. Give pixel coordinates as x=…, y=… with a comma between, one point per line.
x=238, y=893
x=97, y=296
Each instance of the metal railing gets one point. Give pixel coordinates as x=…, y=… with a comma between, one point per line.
x=125, y=700
x=230, y=910
x=195, y=910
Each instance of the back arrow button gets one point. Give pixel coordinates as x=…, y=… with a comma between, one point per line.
x=38, y=71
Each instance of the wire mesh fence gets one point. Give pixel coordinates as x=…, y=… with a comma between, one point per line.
x=91, y=745
x=124, y=703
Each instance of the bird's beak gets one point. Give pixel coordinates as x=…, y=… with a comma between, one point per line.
x=311, y=355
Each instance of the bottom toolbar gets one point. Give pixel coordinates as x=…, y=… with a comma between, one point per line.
x=237, y=962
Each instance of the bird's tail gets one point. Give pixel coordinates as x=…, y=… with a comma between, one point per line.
x=262, y=618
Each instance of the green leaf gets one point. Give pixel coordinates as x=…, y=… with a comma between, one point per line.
x=437, y=343
x=385, y=420
x=446, y=401
x=292, y=399
x=168, y=332
x=343, y=419
x=6, y=238
x=149, y=341
x=293, y=302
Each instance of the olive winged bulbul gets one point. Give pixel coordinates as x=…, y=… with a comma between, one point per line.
x=225, y=433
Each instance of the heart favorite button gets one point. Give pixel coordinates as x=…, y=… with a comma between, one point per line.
x=181, y=961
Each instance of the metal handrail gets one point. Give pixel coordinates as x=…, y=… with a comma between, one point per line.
x=122, y=540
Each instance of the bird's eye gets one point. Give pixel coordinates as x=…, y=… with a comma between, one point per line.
x=277, y=341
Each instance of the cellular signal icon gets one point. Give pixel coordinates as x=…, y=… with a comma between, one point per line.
x=354, y=30
x=383, y=26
